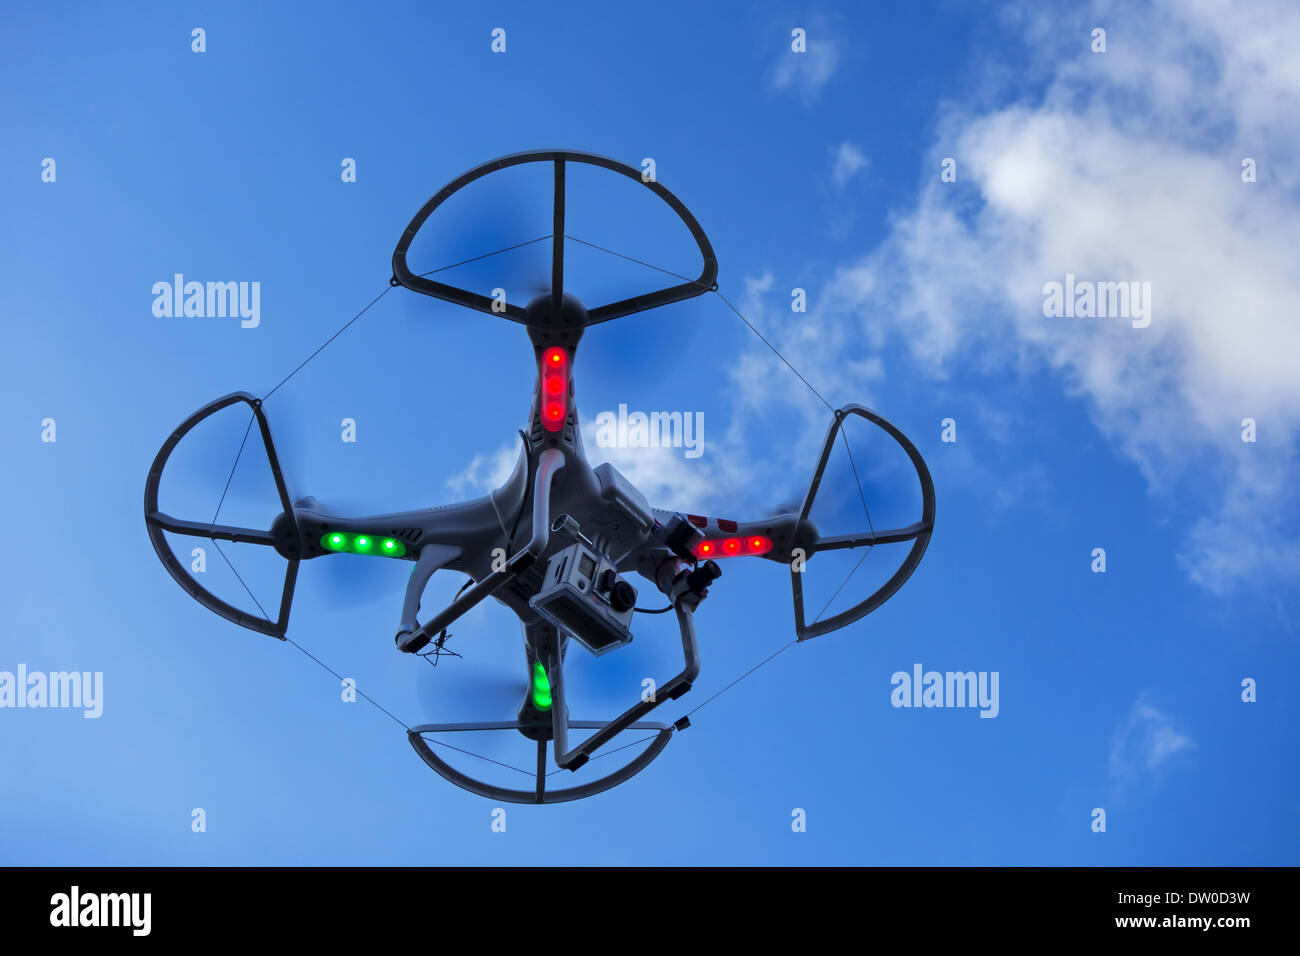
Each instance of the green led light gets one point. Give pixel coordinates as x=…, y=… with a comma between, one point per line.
x=541, y=687
x=362, y=544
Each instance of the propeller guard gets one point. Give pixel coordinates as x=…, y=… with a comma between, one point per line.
x=707, y=281
x=539, y=793
x=918, y=533
x=284, y=537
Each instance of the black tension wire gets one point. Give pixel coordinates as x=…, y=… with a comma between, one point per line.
x=367, y=308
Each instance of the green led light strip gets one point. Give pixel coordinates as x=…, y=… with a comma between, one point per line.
x=541, y=687
x=362, y=544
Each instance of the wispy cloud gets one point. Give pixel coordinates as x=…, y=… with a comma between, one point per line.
x=806, y=73
x=486, y=471
x=1145, y=742
x=847, y=160
x=664, y=475
x=1128, y=168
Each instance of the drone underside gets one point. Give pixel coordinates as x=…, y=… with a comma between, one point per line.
x=559, y=541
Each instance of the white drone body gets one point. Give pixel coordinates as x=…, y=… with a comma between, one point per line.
x=559, y=542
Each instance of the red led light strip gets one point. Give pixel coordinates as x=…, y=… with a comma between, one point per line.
x=753, y=544
x=555, y=388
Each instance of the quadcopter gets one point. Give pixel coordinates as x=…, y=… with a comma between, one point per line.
x=559, y=543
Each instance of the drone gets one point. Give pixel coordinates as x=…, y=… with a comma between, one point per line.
x=560, y=542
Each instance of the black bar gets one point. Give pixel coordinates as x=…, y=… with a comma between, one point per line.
x=972, y=906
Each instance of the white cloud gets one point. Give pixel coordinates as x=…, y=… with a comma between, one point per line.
x=728, y=479
x=847, y=160
x=1146, y=740
x=808, y=72
x=1128, y=168
x=486, y=472
x=664, y=475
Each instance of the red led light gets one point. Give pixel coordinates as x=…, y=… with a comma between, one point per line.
x=704, y=548
x=555, y=387
x=731, y=546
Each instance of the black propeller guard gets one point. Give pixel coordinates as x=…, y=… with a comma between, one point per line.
x=284, y=535
x=707, y=281
x=918, y=533
x=539, y=794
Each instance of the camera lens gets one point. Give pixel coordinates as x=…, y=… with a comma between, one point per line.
x=622, y=596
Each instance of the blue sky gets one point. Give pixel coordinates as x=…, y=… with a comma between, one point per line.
x=820, y=171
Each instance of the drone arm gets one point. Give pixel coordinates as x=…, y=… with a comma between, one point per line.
x=215, y=532
x=893, y=536
x=548, y=463
x=791, y=537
